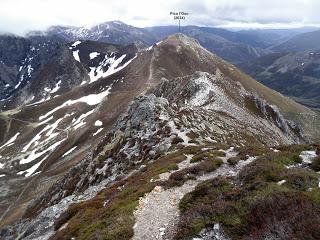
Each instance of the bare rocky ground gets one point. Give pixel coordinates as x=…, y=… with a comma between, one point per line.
x=158, y=212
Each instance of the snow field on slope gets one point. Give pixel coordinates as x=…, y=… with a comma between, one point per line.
x=92, y=99
x=113, y=62
x=10, y=141
x=35, y=155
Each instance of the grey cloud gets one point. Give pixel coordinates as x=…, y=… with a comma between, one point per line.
x=19, y=16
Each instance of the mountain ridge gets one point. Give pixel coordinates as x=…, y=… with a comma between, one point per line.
x=215, y=39
x=174, y=95
x=302, y=42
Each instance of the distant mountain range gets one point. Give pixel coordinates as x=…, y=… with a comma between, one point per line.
x=239, y=47
x=233, y=46
x=293, y=68
x=294, y=74
x=303, y=42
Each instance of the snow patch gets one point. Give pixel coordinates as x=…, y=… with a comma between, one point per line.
x=274, y=150
x=93, y=55
x=281, y=182
x=45, y=121
x=10, y=141
x=98, y=131
x=76, y=55
x=149, y=48
x=49, y=129
x=29, y=70
x=69, y=151
x=98, y=72
x=79, y=122
x=98, y=123
x=34, y=156
x=76, y=43
x=55, y=89
x=92, y=99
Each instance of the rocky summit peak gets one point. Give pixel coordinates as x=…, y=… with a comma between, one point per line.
x=181, y=39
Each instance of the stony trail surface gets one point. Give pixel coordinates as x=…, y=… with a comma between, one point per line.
x=158, y=213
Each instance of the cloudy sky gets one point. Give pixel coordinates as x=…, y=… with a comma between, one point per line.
x=20, y=16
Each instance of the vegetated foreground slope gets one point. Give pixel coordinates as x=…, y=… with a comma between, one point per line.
x=174, y=97
x=293, y=74
x=276, y=196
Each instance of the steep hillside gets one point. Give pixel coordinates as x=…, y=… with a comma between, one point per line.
x=54, y=68
x=174, y=97
x=102, y=59
x=12, y=52
x=302, y=42
x=41, y=67
x=288, y=107
x=22, y=59
x=295, y=74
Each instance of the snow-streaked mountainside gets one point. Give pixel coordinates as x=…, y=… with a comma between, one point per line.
x=102, y=60
x=106, y=120
x=53, y=71
x=23, y=58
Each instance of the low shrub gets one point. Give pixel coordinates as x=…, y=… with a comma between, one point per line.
x=109, y=216
x=315, y=165
x=189, y=149
x=286, y=215
x=294, y=148
x=301, y=179
x=73, y=210
x=234, y=160
x=179, y=177
x=207, y=155
x=193, y=141
x=176, y=140
x=192, y=135
x=272, y=211
x=261, y=169
x=244, y=152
